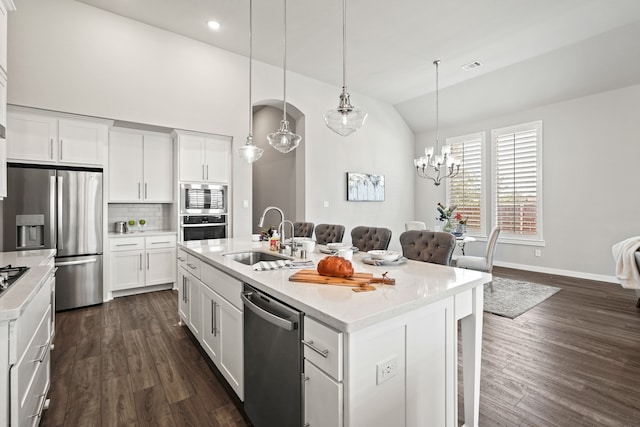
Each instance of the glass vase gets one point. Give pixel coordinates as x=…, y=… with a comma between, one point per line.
x=447, y=225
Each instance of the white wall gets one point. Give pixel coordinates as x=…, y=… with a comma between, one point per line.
x=70, y=57
x=591, y=151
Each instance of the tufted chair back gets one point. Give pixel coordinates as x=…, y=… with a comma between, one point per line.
x=428, y=246
x=370, y=238
x=329, y=233
x=303, y=229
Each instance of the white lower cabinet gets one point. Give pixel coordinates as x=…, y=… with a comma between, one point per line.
x=136, y=262
x=25, y=361
x=322, y=398
x=323, y=375
x=209, y=304
x=222, y=336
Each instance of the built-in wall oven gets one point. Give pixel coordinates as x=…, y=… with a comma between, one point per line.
x=203, y=211
x=203, y=227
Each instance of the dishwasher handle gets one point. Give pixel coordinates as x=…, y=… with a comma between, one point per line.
x=271, y=318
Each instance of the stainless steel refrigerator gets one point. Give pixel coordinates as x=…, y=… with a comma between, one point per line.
x=58, y=209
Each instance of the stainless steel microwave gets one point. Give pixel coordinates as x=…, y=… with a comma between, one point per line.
x=203, y=199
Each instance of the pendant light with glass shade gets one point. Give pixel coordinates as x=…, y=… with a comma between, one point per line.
x=249, y=151
x=345, y=119
x=284, y=140
x=444, y=165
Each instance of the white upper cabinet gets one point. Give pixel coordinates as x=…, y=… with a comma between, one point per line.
x=140, y=167
x=204, y=157
x=81, y=142
x=43, y=138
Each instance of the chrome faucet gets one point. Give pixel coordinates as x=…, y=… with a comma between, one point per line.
x=283, y=246
x=267, y=209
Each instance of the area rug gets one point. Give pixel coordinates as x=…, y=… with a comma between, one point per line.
x=511, y=298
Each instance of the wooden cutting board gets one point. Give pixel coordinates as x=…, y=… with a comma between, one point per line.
x=361, y=280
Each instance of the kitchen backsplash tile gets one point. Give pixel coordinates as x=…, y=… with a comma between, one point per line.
x=157, y=215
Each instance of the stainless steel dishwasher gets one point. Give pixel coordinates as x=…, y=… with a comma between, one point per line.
x=272, y=361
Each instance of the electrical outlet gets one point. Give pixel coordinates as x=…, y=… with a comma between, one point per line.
x=537, y=252
x=326, y=203
x=245, y=203
x=386, y=370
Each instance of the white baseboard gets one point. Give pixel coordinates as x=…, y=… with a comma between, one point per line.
x=559, y=272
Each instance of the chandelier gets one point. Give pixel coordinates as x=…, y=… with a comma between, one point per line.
x=284, y=140
x=249, y=151
x=436, y=166
x=345, y=119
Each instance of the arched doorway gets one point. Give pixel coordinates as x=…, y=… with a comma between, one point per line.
x=278, y=179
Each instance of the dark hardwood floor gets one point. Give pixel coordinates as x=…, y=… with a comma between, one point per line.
x=573, y=360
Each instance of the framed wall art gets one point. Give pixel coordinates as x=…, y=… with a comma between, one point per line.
x=365, y=187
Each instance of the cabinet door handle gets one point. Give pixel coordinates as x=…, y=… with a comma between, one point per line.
x=215, y=320
x=43, y=353
x=184, y=289
x=126, y=244
x=60, y=154
x=162, y=243
x=138, y=190
x=145, y=191
x=147, y=260
x=207, y=172
x=312, y=346
x=203, y=172
x=140, y=262
x=181, y=259
x=51, y=149
x=41, y=406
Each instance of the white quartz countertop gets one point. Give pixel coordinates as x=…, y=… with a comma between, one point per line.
x=417, y=284
x=26, y=258
x=142, y=233
x=14, y=300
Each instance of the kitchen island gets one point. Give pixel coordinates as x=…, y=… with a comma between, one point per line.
x=390, y=355
x=26, y=335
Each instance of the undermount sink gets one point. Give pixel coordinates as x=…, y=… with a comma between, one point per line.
x=250, y=258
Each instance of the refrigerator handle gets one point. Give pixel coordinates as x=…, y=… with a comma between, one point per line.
x=59, y=203
x=52, y=212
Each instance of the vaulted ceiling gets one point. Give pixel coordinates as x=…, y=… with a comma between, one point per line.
x=532, y=52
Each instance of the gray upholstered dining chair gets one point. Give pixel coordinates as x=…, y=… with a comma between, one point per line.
x=415, y=225
x=370, y=238
x=480, y=263
x=303, y=229
x=329, y=233
x=428, y=246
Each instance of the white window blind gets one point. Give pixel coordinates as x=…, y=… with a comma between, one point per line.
x=517, y=180
x=466, y=189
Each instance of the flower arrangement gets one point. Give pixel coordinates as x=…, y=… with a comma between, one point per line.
x=445, y=213
x=460, y=220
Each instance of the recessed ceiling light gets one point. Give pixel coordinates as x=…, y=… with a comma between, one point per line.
x=471, y=65
x=214, y=25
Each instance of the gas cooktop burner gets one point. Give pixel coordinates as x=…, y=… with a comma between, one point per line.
x=9, y=274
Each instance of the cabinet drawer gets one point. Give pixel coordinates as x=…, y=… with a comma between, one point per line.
x=193, y=265
x=24, y=374
x=226, y=286
x=28, y=411
x=22, y=330
x=126, y=244
x=323, y=347
x=182, y=258
x=322, y=398
x=156, y=242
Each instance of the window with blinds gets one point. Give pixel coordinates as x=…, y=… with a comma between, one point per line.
x=466, y=189
x=517, y=180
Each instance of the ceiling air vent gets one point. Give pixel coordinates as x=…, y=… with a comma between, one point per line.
x=471, y=65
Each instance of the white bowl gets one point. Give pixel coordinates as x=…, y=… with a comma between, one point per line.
x=384, y=255
x=338, y=245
